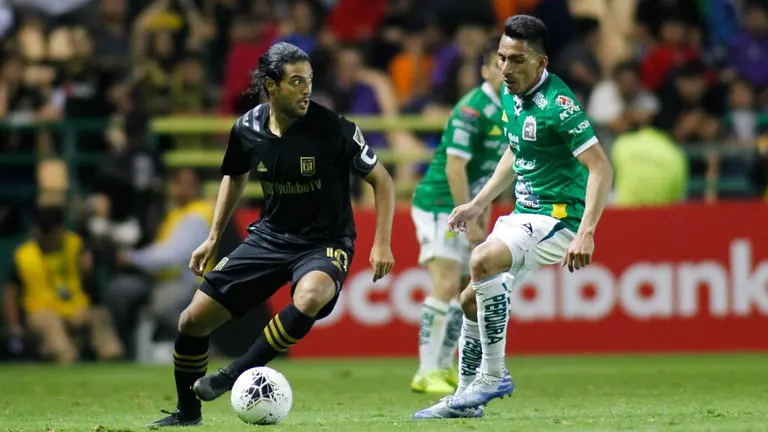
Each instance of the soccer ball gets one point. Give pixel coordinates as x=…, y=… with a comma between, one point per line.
x=261, y=396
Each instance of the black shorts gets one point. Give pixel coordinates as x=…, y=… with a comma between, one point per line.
x=262, y=264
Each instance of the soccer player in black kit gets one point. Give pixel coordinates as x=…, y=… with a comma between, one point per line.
x=303, y=155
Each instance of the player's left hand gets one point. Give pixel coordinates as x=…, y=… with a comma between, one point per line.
x=580, y=252
x=381, y=260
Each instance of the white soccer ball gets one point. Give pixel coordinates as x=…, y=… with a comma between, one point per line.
x=262, y=396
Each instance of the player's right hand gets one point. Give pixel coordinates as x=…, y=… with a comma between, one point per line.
x=201, y=256
x=462, y=215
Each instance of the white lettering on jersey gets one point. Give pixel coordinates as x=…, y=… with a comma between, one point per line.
x=580, y=128
x=569, y=111
x=539, y=100
x=461, y=137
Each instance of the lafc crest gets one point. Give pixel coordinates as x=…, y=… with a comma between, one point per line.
x=307, y=166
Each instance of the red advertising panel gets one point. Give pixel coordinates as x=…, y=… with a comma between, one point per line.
x=687, y=278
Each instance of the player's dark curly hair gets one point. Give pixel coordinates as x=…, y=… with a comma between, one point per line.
x=529, y=29
x=272, y=65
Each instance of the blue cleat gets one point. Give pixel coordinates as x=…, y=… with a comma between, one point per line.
x=442, y=410
x=483, y=389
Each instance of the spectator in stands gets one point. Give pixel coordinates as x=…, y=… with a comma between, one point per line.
x=360, y=90
x=759, y=171
x=578, y=64
x=50, y=272
x=251, y=37
x=188, y=90
x=653, y=15
x=690, y=111
x=671, y=51
x=300, y=29
x=749, y=50
x=742, y=114
x=112, y=41
x=185, y=226
x=456, y=65
x=651, y=169
x=412, y=68
x=621, y=104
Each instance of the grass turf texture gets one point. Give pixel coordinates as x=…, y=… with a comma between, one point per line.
x=669, y=393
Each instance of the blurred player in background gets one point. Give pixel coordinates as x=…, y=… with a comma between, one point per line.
x=303, y=155
x=562, y=176
x=469, y=150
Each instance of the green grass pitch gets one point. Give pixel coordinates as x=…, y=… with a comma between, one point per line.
x=647, y=393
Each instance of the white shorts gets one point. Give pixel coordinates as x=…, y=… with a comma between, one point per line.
x=533, y=240
x=437, y=240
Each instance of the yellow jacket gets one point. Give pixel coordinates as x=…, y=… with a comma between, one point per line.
x=52, y=280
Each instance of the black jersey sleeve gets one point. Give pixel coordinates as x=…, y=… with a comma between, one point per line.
x=237, y=159
x=359, y=155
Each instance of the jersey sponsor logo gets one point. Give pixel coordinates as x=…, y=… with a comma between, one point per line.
x=569, y=111
x=460, y=137
x=221, y=264
x=525, y=164
x=291, y=188
x=504, y=116
x=540, y=100
x=524, y=193
x=468, y=113
x=580, y=128
x=307, y=166
x=568, y=105
x=564, y=101
x=457, y=123
x=529, y=129
x=260, y=167
x=495, y=131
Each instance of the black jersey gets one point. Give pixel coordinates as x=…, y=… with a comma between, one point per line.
x=305, y=174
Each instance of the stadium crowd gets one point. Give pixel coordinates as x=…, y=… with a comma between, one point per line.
x=677, y=90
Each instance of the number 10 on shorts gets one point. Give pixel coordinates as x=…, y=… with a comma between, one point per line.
x=338, y=258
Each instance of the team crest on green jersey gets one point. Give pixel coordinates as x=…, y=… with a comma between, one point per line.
x=529, y=129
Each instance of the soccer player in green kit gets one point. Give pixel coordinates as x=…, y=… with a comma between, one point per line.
x=471, y=146
x=563, y=178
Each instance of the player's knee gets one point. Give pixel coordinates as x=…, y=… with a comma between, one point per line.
x=193, y=323
x=469, y=303
x=489, y=259
x=313, y=292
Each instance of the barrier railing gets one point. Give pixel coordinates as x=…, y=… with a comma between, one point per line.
x=210, y=156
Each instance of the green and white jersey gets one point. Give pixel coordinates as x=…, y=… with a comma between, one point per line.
x=473, y=132
x=547, y=129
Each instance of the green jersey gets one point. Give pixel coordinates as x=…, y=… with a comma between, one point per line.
x=547, y=129
x=473, y=132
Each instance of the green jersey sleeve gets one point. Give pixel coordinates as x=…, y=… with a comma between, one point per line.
x=572, y=126
x=464, y=124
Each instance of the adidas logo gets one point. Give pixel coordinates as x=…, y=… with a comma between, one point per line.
x=260, y=167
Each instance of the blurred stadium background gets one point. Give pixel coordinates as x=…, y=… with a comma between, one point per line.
x=114, y=115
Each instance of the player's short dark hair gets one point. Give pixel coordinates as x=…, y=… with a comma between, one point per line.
x=272, y=65
x=529, y=29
